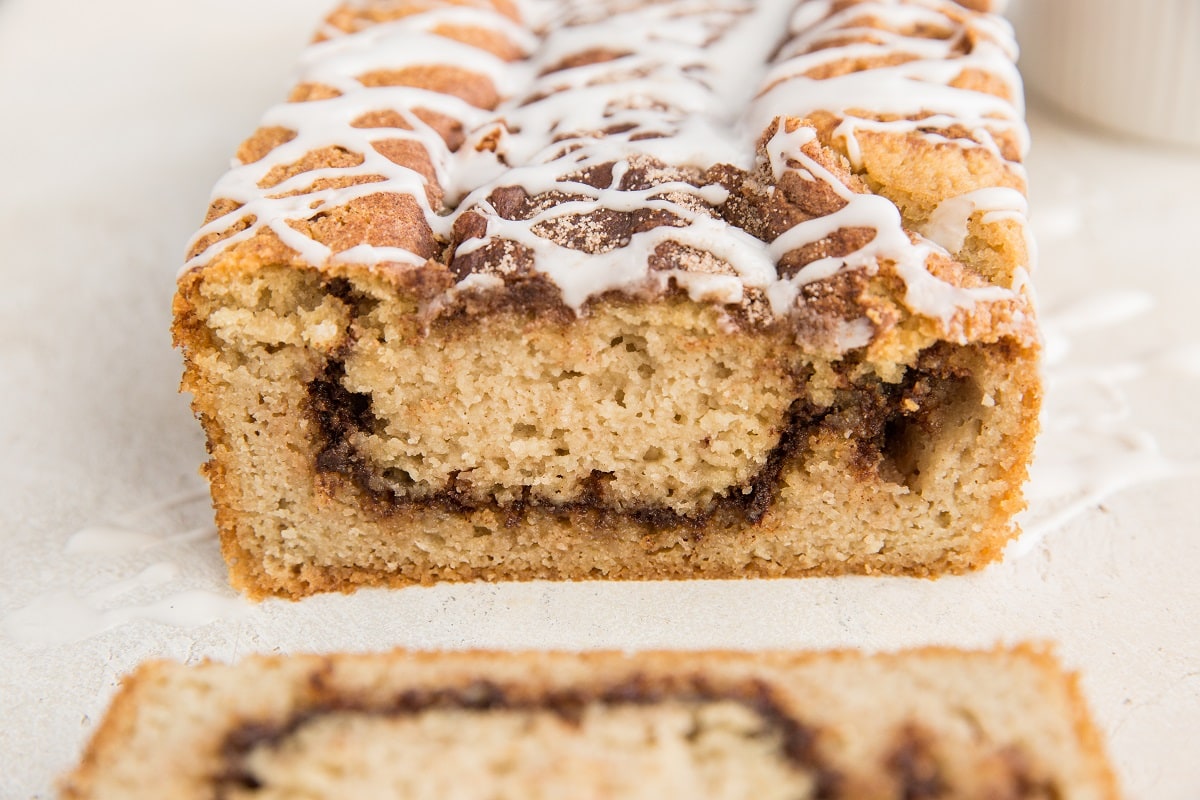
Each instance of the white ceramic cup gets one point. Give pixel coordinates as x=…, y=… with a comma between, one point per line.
x=1131, y=66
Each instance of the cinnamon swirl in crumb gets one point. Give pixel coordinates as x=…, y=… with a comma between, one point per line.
x=923, y=723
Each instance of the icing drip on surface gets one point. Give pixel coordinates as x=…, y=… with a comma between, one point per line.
x=63, y=617
x=158, y=590
x=677, y=84
x=1091, y=446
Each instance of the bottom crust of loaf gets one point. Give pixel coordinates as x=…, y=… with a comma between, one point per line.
x=919, y=724
x=350, y=446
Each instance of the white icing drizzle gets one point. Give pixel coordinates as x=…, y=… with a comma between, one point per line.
x=673, y=81
x=63, y=617
x=1091, y=447
x=925, y=293
x=948, y=224
x=678, y=92
x=338, y=62
x=918, y=90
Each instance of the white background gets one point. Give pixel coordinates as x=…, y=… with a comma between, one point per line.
x=116, y=118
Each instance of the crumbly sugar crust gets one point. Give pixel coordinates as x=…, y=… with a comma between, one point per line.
x=621, y=289
x=925, y=723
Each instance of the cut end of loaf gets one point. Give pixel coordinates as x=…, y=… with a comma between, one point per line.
x=662, y=440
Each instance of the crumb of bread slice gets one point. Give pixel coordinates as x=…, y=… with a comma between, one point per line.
x=933, y=722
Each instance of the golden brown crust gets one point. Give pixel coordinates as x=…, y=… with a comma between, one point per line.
x=109, y=739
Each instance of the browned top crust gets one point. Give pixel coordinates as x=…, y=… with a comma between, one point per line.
x=858, y=175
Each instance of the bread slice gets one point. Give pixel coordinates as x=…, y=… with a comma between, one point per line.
x=621, y=290
x=918, y=724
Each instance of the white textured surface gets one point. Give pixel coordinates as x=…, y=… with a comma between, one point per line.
x=118, y=117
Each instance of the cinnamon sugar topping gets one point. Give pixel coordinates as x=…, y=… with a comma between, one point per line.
x=638, y=147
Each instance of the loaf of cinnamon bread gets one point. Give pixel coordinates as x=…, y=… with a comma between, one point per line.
x=622, y=290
